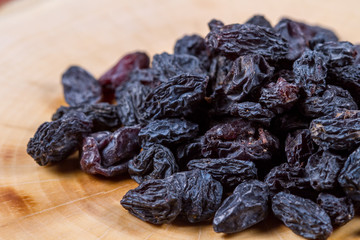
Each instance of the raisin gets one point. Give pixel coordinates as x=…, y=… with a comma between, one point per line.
x=299, y=146
x=201, y=194
x=338, y=131
x=247, y=206
x=154, y=162
x=246, y=75
x=167, y=66
x=155, y=201
x=302, y=216
x=91, y=159
x=331, y=100
x=349, y=176
x=123, y=144
x=103, y=115
x=130, y=98
x=121, y=71
x=302, y=36
x=230, y=172
x=193, y=45
x=292, y=31
x=215, y=24
x=188, y=151
x=347, y=77
x=259, y=20
x=357, y=58
x=321, y=35
x=340, y=210
x=179, y=97
x=219, y=69
x=239, y=139
x=252, y=111
x=279, y=96
x=80, y=87
x=310, y=71
x=289, y=178
x=168, y=132
x=242, y=39
x=145, y=76
x=55, y=141
x=339, y=53
x=323, y=168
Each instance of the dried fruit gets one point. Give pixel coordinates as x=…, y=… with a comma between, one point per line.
x=340, y=210
x=103, y=115
x=310, y=71
x=130, y=98
x=154, y=162
x=331, y=100
x=338, y=131
x=155, y=201
x=279, y=96
x=247, y=101
x=168, y=131
x=180, y=96
x=339, y=53
x=201, y=194
x=247, y=206
x=120, y=72
x=349, y=176
x=322, y=169
x=123, y=144
x=241, y=39
x=347, y=77
x=247, y=74
x=259, y=20
x=167, y=66
x=55, y=141
x=80, y=87
x=193, y=45
x=239, y=139
x=299, y=146
x=288, y=178
x=252, y=111
x=302, y=216
x=91, y=159
x=230, y=172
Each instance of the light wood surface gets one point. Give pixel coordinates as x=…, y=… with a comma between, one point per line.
x=39, y=39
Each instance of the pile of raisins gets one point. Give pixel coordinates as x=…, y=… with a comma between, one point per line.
x=249, y=121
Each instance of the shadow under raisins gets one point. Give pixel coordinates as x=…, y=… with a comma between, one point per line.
x=122, y=177
x=182, y=222
x=70, y=165
x=270, y=224
x=265, y=227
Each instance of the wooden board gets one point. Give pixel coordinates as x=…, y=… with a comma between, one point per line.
x=39, y=39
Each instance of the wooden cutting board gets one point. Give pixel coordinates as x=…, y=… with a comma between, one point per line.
x=39, y=39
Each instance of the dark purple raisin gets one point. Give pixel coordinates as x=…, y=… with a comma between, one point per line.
x=338, y=131
x=80, y=87
x=241, y=39
x=154, y=162
x=340, y=210
x=323, y=169
x=302, y=216
x=55, y=141
x=349, y=176
x=247, y=206
x=230, y=172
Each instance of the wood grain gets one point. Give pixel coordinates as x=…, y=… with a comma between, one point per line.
x=39, y=39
